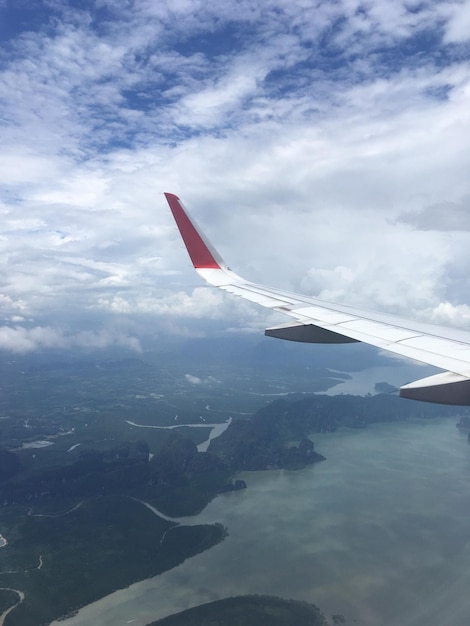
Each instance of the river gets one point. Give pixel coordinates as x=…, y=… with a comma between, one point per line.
x=379, y=533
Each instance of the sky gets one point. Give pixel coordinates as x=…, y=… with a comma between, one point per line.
x=323, y=146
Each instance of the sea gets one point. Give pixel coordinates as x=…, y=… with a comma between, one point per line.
x=378, y=533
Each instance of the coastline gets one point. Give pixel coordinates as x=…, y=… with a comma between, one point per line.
x=216, y=430
x=385, y=546
x=9, y=610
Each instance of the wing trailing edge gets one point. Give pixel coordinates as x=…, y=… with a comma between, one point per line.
x=318, y=321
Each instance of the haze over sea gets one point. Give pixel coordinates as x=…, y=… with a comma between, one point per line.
x=379, y=532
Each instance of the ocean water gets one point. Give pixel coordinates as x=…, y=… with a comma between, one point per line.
x=380, y=532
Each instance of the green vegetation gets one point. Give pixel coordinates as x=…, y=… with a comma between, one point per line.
x=9, y=464
x=75, y=528
x=265, y=441
x=260, y=444
x=178, y=479
x=248, y=611
x=8, y=598
x=103, y=545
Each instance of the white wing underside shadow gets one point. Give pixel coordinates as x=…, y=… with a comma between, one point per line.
x=318, y=321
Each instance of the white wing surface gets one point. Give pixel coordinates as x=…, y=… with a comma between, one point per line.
x=318, y=321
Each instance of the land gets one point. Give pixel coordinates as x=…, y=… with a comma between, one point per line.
x=248, y=611
x=89, y=446
x=105, y=544
x=384, y=388
x=277, y=436
x=178, y=479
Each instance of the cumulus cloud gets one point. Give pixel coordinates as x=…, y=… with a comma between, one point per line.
x=449, y=314
x=20, y=340
x=323, y=147
x=195, y=380
x=458, y=22
x=201, y=302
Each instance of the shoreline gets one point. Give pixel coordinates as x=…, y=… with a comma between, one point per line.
x=216, y=430
x=328, y=500
x=9, y=610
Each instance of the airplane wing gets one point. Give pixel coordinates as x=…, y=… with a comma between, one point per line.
x=319, y=321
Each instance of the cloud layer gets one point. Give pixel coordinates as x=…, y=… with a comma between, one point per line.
x=325, y=147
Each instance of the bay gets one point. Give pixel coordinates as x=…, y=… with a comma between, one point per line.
x=379, y=533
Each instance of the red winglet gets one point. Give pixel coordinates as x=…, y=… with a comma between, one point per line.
x=201, y=252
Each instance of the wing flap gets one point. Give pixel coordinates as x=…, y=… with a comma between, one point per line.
x=306, y=333
x=444, y=388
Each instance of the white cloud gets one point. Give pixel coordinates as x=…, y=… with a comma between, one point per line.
x=447, y=216
x=448, y=314
x=194, y=380
x=20, y=340
x=458, y=22
x=323, y=148
x=218, y=102
x=202, y=303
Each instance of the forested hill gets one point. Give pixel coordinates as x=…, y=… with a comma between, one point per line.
x=179, y=479
x=324, y=413
x=263, y=441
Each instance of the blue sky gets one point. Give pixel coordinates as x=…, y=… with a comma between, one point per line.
x=324, y=146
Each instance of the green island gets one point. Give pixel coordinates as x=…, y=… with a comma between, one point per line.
x=94, y=476
x=252, y=610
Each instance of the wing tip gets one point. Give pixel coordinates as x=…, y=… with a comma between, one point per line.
x=169, y=195
x=201, y=252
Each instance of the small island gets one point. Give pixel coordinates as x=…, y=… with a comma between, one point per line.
x=384, y=387
x=249, y=611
